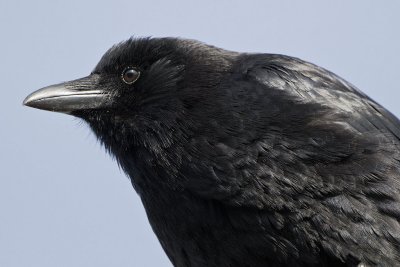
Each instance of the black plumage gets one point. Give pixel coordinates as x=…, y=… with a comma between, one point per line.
x=245, y=159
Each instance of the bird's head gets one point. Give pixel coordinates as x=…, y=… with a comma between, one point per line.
x=142, y=89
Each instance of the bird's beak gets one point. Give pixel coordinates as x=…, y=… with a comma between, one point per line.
x=80, y=94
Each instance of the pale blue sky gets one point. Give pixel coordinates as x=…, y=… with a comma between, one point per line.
x=63, y=201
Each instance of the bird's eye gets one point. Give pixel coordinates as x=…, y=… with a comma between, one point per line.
x=130, y=75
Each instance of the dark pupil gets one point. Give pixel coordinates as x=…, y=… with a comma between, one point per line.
x=130, y=75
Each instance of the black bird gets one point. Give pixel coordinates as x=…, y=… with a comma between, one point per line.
x=244, y=159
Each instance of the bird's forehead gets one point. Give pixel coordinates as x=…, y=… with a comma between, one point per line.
x=136, y=52
x=118, y=55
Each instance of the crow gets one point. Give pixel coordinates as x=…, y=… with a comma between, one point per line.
x=244, y=159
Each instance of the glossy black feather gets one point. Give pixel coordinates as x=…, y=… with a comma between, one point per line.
x=252, y=159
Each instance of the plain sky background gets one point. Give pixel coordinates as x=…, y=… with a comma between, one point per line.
x=63, y=201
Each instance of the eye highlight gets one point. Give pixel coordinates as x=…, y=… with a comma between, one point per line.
x=130, y=75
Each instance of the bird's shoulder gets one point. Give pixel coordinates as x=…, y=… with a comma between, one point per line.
x=300, y=81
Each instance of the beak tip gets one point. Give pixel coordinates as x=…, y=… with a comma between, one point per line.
x=27, y=101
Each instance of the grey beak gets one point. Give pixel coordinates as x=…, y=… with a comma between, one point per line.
x=70, y=96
